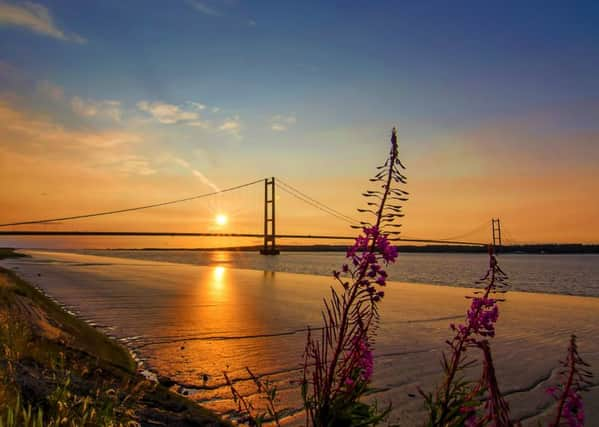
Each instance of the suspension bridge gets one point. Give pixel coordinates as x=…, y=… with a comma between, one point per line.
x=269, y=234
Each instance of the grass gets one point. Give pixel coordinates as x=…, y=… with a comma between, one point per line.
x=84, y=336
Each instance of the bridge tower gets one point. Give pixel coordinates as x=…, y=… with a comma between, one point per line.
x=270, y=247
x=496, y=227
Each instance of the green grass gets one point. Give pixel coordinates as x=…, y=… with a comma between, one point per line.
x=85, y=337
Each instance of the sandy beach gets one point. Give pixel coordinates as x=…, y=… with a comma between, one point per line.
x=185, y=321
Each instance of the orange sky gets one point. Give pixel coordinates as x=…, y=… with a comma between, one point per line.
x=501, y=171
x=501, y=123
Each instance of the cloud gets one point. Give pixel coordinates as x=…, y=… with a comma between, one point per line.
x=202, y=7
x=108, y=139
x=36, y=18
x=93, y=108
x=281, y=123
x=186, y=165
x=204, y=180
x=198, y=105
x=38, y=137
x=200, y=124
x=277, y=127
x=134, y=165
x=167, y=113
x=188, y=114
x=231, y=126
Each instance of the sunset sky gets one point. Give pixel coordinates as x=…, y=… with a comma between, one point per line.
x=112, y=104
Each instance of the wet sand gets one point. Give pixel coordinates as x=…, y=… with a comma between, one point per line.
x=187, y=322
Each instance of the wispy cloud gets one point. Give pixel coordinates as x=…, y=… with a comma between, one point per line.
x=186, y=165
x=38, y=137
x=134, y=165
x=200, y=124
x=231, y=126
x=280, y=123
x=37, y=18
x=202, y=7
x=167, y=113
x=94, y=108
x=197, y=105
x=188, y=114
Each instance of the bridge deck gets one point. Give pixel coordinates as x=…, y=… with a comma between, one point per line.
x=171, y=234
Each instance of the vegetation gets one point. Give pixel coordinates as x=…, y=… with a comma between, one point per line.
x=10, y=253
x=338, y=365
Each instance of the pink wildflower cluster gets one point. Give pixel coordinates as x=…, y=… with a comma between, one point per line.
x=363, y=362
x=460, y=401
x=481, y=318
x=484, y=311
x=576, y=377
x=365, y=255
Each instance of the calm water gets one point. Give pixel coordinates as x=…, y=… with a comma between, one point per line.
x=563, y=274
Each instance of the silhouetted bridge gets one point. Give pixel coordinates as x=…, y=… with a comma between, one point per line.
x=268, y=235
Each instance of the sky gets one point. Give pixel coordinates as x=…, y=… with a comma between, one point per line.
x=109, y=104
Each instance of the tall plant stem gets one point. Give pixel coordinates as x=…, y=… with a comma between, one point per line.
x=354, y=292
x=562, y=401
x=457, y=355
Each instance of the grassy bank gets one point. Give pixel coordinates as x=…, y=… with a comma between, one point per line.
x=56, y=370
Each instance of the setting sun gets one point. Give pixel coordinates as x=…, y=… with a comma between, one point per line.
x=221, y=219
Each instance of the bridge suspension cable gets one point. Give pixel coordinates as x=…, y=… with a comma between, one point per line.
x=137, y=208
x=313, y=202
x=510, y=239
x=479, y=228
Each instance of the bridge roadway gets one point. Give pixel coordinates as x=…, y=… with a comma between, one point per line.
x=170, y=234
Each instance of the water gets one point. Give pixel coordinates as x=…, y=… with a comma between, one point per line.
x=561, y=274
x=191, y=322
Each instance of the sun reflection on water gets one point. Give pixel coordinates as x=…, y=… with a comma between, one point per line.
x=218, y=273
x=218, y=276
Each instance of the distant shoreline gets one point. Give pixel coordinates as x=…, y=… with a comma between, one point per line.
x=570, y=248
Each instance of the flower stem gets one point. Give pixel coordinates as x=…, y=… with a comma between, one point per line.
x=457, y=354
x=572, y=368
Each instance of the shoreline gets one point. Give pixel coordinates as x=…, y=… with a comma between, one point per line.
x=53, y=348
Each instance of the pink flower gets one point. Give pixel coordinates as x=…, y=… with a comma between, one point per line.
x=362, y=355
x=482, y=316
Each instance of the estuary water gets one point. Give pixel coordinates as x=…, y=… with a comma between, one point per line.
x=561, y=274
x=210, y=312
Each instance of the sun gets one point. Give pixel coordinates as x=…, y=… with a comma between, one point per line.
x=221, y=219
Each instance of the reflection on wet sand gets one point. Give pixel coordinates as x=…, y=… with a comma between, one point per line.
x=190, y=323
